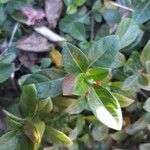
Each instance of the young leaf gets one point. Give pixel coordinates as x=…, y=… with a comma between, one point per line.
x=75, y=60
x=104, y=51
x=123, y=100
x=105, y=107
x=125, y=29
x=141, y=12
x=28, y=100
x=57, y=137
x=98, y=74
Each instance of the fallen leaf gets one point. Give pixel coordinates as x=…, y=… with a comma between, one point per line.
x=56, y=58
x=53, y=9
x=32, y=15
x=49, y=34
x=28, y=59
x=34, y=43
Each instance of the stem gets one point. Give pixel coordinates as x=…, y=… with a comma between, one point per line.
x=11, y=38
x=121, y=6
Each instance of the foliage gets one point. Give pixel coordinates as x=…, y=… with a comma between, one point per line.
x=91, y=87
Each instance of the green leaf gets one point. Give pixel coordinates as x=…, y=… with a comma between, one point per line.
x=145, y=146
x=4, y=1
x=9, y=141
x=77, y=31
x=72, y=23
x=78, y=129
x=57, y=137
x=147, y=105
x=104, y=51
x=6, y=71
x=123, y=100
x=130, y=82
x=28, y=100
x=45, y=105
x=13, y=117
x=105, y=107
x=111, y=15
x=75, y=60
x=145, y=55
x=148, y=66
x=7, y=58
x=71, y=9
x=78, y=106
x=2, y=14
x=100, y=132
x=141, y=12
x=98, y=74
x=48, y=82
x=125, y=29
x=40, y=128
x=118, y=61
x=75, y=85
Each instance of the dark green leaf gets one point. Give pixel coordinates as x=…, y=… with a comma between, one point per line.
x=28, y=100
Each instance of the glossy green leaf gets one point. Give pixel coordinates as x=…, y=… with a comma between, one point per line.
x=75, y=60
x=141, y=12
x=104, y=51
x=147, y=105
x=145, y=55
x=28, y=100
x=105, y=107
x=98, y=74
x=125, y=29
x=57, y=137
x=123, y=100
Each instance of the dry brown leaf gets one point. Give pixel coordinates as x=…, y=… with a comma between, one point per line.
x=28, y=59
x=34, y=43
x=53, y=9
x=56, y=58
